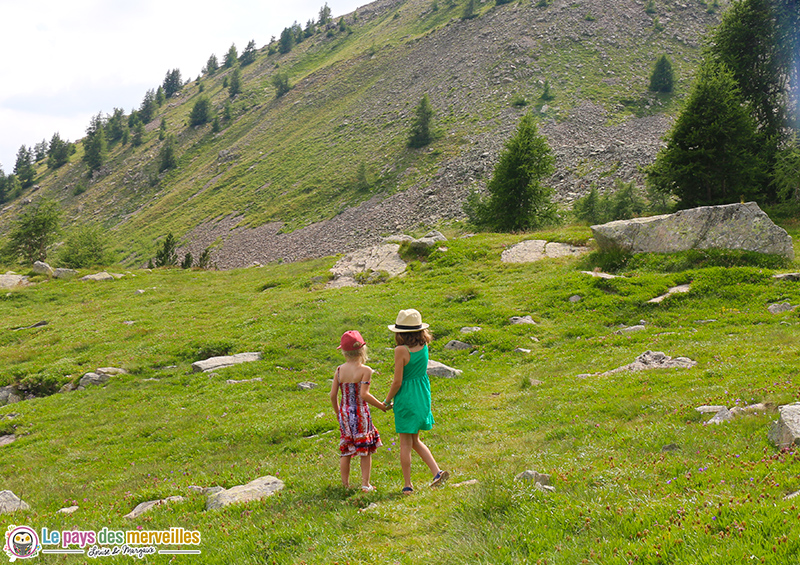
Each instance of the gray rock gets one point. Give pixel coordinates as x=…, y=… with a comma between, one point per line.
x=254, y=490
x=65, y=274
x=9, y=281
x=574, y=298
x=430, y=240
x=723, y=415
x=144, y=507
x=630, y=329
x=99, y=277
x=705, y=409
x=306, y=386
x=68, y=510
x=42, y=268
x=378, y=258
x=9, y=395
x=111, y=371
x=674, y=290
x=732, y=226
x=785, y=432
x=7, y=439
x=468, y=483
x=654, y=360
x=534, y=477
x=455, y=345
x=671, y=447
x=214, y=363
x=10, y=502
x=780, y=308
x=206, y=491
x=436, y=369
x=521, y=350
x=533, y=250
x=470, y=329
x=235, y=382
x=521, y=320
x=93, y=379
x=793, y=277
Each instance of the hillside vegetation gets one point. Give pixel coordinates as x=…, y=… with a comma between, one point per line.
x=638, y=477
x=337, y=139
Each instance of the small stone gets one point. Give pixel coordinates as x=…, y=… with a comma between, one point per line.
x=306, y=386
x=522, y=350
x=436, y=369
x=67, y=510
x=710, y=409
x=629, y=330
x=92, y=379
x=574, y=298
x=42, y=268
x=522, y=320
x=371, y=507
x=470, y=329
x=455, y=345
x=780, y=308
x=721, y=416
x=7, y=439
x=149, y=505
x=65, y=274
x=671, y=447
x=465, y=483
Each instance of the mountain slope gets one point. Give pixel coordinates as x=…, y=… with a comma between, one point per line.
x=283, y=164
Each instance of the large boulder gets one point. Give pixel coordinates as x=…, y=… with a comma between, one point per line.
x=12, y=280
x=732, y=226
x=373, y=259
x=42, y=268
x=10, y=502
x=532, y=250
x=786, y=431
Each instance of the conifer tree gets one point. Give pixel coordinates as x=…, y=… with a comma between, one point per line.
x=663, y=78
x=148, y=108
x=95, y=146
x=231, y=57
x=281, y=83
x=59, y=152
x=24, y=169
x=249, y=53
x=201, y=111
x=235, y=84
x=167, y=159
x=40, y=151
x=34, y=230
x=712, y=154
x=324, y=15
x=420, y=134
x=286, y=42
x=173, y=83
x=212, y=66
x=517, y=199
x=166, y=255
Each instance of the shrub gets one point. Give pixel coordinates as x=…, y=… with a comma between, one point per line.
x=86, y=247
x=166, y=256
x=201, y=112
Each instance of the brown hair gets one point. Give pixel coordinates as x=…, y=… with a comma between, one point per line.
x=360, y=353
x=412, y=339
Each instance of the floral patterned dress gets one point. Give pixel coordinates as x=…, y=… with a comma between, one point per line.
x=357, y=434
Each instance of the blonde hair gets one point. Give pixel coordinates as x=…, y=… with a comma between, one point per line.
x=360, y=353
x=412, y=339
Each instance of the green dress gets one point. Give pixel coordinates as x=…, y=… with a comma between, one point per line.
x=412, y=403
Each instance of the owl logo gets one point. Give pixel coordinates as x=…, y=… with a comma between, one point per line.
x=21, y=543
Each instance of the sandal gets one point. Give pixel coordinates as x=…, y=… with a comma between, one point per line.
x=408, y=490
x=368, y=488
x=440, y=478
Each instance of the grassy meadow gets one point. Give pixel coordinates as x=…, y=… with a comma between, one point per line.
x=717, y=496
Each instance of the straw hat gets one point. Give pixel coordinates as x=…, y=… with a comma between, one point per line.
x=408, y=321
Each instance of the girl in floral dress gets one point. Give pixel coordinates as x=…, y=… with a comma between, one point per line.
x=358, y=436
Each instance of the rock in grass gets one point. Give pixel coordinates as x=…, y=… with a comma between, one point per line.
x=786, y=431
x=534, y=476
x=67, y=510
x=673, y=290
x=11, y=280
x=10, y=502
x=732, y=226
x=307, y=386
x=780, y=308
x=254, y=490
x=98, y=277
x=793, y=277
x=93, y=379
x=65, y=274
x=654, y=360
x=214, y=363
x=7, y=439
x=521, y=320
x=143, y=507
x=455, y=345
x=42, y=268
x=9, y=395
x=436, y=369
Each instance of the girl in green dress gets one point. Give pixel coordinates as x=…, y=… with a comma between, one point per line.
x=411, y=393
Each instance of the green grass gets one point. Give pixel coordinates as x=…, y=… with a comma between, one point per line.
x=619, y=497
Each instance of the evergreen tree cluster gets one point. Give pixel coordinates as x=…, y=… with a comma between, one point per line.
x=737, y=135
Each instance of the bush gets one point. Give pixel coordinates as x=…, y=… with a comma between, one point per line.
x=167, y=256
x=281, y=83
x=33, y=231
x=201, y=112
x=86, y=247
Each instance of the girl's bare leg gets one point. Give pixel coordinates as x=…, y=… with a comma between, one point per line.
x=344, y=468
x=366, y=468
x=426, y=455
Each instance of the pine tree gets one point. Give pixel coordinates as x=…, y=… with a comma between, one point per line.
x=249, y=53
x=59, y=152
x=116, y=125
x=40, y=151
x=231, y=57
x=712, y=153
x=663, y=78
x=421, y=135
x=201, y=111
x=167, y=159
x=161, y=97
x=235, y=84
x=286, y=42
x=517, y=199
x=34, y=230
x=281, y=83
x=147, y=111
x=24, y=169
x=167, y=256
x=212, y=66
x=3, y=186
x=324, y=15
x=95, y=146
x=173, y=83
